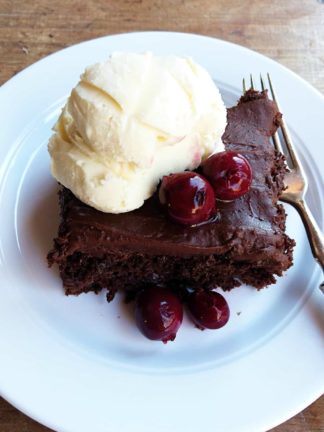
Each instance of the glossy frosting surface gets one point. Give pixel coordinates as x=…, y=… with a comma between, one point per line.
x=251, y=225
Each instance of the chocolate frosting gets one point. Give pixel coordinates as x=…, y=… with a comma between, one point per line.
x=249, y=228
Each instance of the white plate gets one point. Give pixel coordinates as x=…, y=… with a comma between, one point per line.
x=78, y=363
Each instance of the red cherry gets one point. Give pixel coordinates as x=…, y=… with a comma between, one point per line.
x=158, y=314
x=189, y=197
x=208, y=309
x=229, y=173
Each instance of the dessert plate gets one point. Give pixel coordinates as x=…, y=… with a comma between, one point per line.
x=78, y=363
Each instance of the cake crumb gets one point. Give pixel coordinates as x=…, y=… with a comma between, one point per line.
x=238, y=313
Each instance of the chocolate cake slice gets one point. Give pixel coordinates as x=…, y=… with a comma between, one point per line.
x=245, y=244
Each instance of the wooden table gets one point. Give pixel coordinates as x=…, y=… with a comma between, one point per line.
x=289, y=31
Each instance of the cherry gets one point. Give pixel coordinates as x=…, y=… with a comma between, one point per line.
x=189, y=197
x=208, y=309
x=158, y=313
x=229, y=173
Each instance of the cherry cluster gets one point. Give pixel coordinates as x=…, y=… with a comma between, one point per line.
x=159, y=312
x=190, y=198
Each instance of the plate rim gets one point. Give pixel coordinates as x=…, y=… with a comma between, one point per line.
x=161, y=32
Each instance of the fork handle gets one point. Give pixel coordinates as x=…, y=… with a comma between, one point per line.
x=315, y=237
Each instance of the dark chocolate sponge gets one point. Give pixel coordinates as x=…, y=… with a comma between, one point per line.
x=245, y=244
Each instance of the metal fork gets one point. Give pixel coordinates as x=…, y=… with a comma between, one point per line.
x=295, y=181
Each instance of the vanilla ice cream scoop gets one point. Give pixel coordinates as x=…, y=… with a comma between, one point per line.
x=131, y=120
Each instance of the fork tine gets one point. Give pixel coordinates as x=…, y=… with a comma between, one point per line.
x=244, y=86
x=251, y=82
x=262, y=83
x=275, y=137
x=285, y=132
x=277, y=143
